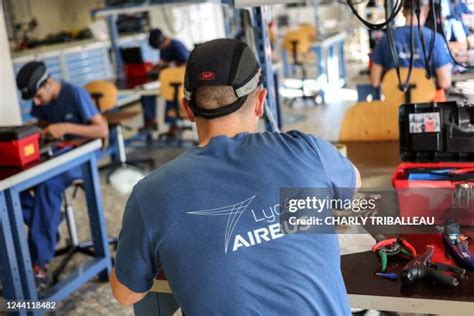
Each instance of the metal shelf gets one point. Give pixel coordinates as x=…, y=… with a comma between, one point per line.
x=135, y=8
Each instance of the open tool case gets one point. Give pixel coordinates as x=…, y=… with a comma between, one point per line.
x=437, y=150
x=435, y=132
x=436, y=177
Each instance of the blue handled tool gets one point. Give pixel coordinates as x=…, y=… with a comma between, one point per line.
x=458, y=245
x=390, y=276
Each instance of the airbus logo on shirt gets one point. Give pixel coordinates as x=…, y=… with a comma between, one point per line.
x=407, y=55
x=253, y=237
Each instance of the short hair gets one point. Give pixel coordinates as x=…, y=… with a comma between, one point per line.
x=156, y=38
x=214, y=97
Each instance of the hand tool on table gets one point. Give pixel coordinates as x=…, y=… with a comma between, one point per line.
x=421, y=267
x=457, y=245
x=391, y=276
x=391, y=247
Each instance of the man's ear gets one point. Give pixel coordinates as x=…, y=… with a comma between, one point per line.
x=189, y=112
x=260, y=102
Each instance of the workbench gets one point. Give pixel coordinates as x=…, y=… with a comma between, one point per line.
x=376, y=162
x=9, y=272
x=139, y=88
x=20, y=180
x=367, y=292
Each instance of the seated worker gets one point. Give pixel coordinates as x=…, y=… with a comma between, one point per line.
x=441, y=63
x=233, y=174
x=453, y=28
x=172, y=53
x=461, y=12
x=63, y=110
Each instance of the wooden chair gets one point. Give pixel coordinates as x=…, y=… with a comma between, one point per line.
x=370, y=121
x=296, y=44
x=420, y=89
x=172, y=91
x=104, y=94
x=309, y=30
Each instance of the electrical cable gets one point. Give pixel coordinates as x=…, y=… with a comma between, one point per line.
x=403, y=86
x=435, y=31
x=426, y=57
x=376, y=26
x=355, y=3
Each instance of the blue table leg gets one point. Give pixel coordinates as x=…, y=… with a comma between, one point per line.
x=277, y=100
x=342, y=62
x=330, y=69
x=321, y=66
x=96, y=214
x=287, y=68
x=9, y=272
x=101, y=265
x=15, y=214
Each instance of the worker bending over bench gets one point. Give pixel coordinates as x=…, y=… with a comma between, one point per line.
x=189, y=217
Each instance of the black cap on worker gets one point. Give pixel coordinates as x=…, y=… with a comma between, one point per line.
x=30, y=78
x=222, y=62
x=156, y=38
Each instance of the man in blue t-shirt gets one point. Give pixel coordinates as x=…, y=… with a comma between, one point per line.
x=210, y=218
x=441, y=63
x=460, y=11
x=173, y=53
x=63, y=110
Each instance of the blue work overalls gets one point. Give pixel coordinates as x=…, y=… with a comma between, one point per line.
x=42, y=213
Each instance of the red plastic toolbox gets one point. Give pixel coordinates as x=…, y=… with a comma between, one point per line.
x=19, y=145
x=137, y=70
x=416, y=197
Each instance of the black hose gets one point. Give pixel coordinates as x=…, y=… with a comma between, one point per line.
x=376, y=26
x=403, y=86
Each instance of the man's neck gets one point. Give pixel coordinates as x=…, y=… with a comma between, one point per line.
x=208, y=130
x=56, y=89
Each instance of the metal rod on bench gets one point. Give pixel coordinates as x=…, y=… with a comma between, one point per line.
x=71, y=221
x=121, y=145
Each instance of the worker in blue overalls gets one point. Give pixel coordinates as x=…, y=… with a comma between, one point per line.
x=454, y=28
x=64, y=111
x=173, y=53
x=460, y=11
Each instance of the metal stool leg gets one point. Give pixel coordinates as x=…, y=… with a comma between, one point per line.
x=73, y=244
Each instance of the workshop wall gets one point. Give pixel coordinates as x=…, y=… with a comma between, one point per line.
x=9, y=110
x=191, y=24
x=54, y=15
x=332, y=16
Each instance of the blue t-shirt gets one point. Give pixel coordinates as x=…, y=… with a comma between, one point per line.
x=176, y=52
x=457, y=12
x=73, y=105
x=459, y=9
x=401, y=36
x=209, y=218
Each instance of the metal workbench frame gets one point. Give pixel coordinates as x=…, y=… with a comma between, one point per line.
x=84, y=156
